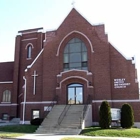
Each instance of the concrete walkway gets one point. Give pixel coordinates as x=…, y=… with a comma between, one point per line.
x=59, y=137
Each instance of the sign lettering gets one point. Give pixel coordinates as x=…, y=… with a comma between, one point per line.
x=120, y=83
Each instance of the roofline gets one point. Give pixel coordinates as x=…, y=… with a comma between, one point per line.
x=30, y=30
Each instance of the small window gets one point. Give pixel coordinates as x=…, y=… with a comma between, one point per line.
x=6, y=96
x=5, y=116
x=29, y=51
x=35, y=114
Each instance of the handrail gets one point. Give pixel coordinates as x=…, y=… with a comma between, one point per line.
x=85, y=109
x=64, y=112
x=54, y=101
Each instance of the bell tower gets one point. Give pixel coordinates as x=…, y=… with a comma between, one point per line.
x=28, y=44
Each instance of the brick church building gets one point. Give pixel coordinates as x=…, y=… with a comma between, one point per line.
x=69, y=65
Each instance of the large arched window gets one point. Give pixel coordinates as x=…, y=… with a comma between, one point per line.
x=6, y=96
x=75, y=55
x=29, y=51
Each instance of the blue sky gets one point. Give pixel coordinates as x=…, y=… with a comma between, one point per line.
x=121, y=19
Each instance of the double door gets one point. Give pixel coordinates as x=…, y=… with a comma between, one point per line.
x=75, y=94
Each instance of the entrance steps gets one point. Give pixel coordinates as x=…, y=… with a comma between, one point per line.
x=66, y=122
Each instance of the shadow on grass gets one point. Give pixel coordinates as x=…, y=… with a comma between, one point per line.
x=90, y=129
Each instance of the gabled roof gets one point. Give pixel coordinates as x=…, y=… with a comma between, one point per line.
x=6, y=71
x=72, y=19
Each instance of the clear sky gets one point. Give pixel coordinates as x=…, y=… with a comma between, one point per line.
x=121, y=19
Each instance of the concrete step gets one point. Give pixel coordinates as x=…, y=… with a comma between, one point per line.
x=60, y=131
x=70, y=123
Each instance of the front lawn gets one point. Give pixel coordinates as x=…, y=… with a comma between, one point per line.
x=84, y=139
x=19, y=128
x=9, y=135
x=13, y=131
x=113, y=132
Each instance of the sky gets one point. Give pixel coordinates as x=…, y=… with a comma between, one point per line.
x=121, y=19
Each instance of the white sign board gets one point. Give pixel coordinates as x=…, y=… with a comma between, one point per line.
x=47, y=108
x=115, y=114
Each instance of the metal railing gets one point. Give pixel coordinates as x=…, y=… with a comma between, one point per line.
x=85, y=109
x=50, y=106
x=64, y=112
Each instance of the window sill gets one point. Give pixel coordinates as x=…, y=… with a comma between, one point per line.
x=5, y=102
x=28, y=58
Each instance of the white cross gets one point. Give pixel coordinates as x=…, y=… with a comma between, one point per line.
x=34, y=75
x=73, y=3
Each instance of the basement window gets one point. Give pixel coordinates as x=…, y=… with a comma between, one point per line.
x=35, y=114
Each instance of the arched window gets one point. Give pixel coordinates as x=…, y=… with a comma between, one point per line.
x=29, y=51
x=6, y=96
x=75, y=55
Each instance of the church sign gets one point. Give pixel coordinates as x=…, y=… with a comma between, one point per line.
x=120, y=83
x=115, y=114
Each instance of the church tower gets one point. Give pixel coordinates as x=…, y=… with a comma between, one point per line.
x=27, y=46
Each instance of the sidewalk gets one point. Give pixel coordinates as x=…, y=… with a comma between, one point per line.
x=59, y=137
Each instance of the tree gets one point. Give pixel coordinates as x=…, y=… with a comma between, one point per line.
x=127, y=117
x=105, y=115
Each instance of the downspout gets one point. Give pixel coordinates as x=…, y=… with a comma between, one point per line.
x=24, y=103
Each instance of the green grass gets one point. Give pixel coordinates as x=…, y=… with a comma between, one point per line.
x=83, y=139
x=13, y=131
x=116, y=132
x=19, y=128
x=9, y=135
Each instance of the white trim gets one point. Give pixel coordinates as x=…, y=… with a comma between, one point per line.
x=127, y=58
x=24, y=103
x=115, y=101
x=20, y=95
x=7, y=104
x=43, y=102
x=70, y=34
x=137, y=124
x=23, y=33
x=28, y=39
x=28, y=45
x=28, y=58
x=41, y=30
x=19, y=34
x=74, y=77
x=25, y=122
x=29, y=66
x=60, y=75
x=6, y=82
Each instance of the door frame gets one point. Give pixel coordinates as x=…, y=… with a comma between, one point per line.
x=80, y=85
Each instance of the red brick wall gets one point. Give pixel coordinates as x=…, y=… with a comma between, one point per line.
x=9, y=108
x=122, y=68
x=104, y=65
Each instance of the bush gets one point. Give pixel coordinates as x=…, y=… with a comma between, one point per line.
x=36, y=121
x=127, y=117
x=105, y=115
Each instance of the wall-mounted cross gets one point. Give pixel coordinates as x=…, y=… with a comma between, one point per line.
x=34, y=76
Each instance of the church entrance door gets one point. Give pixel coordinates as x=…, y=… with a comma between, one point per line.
x=75, y=94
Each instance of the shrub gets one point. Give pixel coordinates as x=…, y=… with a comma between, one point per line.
x=127, y=117
x=105, y=115
x=36, y=121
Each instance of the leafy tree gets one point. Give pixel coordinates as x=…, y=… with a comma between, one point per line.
x=127, y=117
x=105, y=115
